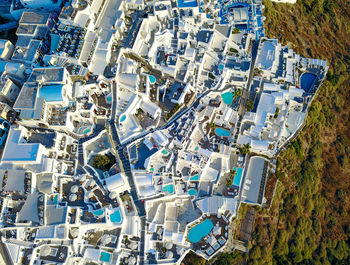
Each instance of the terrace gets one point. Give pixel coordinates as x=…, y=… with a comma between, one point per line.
x=109, y=238
x=130, y=243
x=71, y=40
x=216, y=238
x=143, y=152
x=127, y=202
x=27, y=182
x=105, y=200
x=168, y=251
x=73, y=194
x=98, y=145
x=88, y=217
x=9, y=215
x=187, y=214
x=93, y=237
x=57, y=116
x=129, y=259
x=53, y=253
x=45, y=138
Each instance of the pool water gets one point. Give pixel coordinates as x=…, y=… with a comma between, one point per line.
x=122, y=118
x=227, y=98
x=186, y=3
x=221, y=66
x=115, y=217
x=55, y=199
x=195, y=177
x=192, y=192
x=222, y=132
x=307, y=80
x=165, y=152
x=86, y=131
x=238, y=176
x=169, y=188
x=109, y=98
x=98, y=212
x=55, y=39
x=199, y=231
x=105, y=256
x=152, y=79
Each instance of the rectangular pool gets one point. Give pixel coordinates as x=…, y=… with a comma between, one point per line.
x=186, y=3
x=238, y=176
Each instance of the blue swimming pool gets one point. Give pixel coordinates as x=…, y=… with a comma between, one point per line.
x=199, y=231
x=152, y=79
x=221, y=66
x=186, y=3
x=116, y=217
x=122, y=118
x=227, y=98
x=99, y=212
x=109, y=98
x=51, y=93
x=192, y=192
x=105, y=256
x=55, y=40
x=195, y=177
x=307, y=80
x=165, y=152
x=86, y=131
x=169, y=188
x=222, y=132
x=238, y=176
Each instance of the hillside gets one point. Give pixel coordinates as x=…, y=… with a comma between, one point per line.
x=309, y=222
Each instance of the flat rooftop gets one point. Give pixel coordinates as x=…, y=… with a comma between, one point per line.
x=27, y=96
x=16, y=151
x=47, y=74
x=267, y=55
x=34, y=18
x=251, y=188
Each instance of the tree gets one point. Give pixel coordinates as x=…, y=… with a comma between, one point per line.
x=249, y=105
x=229, y=258
x=255, y=253
x=236, y=30
x=341, y=194
x=245, y=149
x=277, y=111
x=101, y=162
x=237, y=93
x=212, y=125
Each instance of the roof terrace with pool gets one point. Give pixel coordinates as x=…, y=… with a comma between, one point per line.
x=208, y=235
